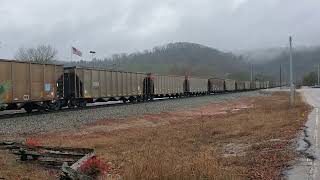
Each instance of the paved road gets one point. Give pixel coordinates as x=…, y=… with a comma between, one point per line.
x=308, y=166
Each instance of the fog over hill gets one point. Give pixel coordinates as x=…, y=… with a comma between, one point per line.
x=179, y=58
x=305, y=60
x=183, y=58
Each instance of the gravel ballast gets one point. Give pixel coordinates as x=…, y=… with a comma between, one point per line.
x=74, y=119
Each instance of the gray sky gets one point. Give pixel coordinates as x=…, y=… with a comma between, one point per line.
x=115, y=26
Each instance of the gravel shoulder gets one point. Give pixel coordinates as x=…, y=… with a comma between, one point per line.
x=75, y=119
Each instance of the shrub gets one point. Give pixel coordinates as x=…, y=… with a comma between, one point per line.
x=94, y=167
x=30, y=142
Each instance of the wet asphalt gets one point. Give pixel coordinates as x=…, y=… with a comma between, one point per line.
x=307, y=165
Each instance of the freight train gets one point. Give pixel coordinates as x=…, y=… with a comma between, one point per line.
x=51, y=87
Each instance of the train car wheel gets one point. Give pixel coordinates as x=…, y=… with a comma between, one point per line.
x=133, y=100
x=41, y=109
x=28, y=108
x=82, y=103
x=55, y=106
x=71, y=103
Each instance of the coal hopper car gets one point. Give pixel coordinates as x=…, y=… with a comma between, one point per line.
x=167, y=85
x=88, y=85
x=240, y=85
x=195, y=86
x=31, y=85
x=230, y=85
x=216, y=85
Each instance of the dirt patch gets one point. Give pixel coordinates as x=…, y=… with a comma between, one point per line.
x=244, y=139
x=234, y=149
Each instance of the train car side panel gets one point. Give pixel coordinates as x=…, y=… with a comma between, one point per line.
x=257, y=85
x=167, y=85
x=247, y=85
x=101, y=83
x=230, y=85
x=22, y=84
x=197, y=85
x=216, y=85
x=6, y=77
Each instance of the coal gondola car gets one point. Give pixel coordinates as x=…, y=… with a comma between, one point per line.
x=31, y=85
x=83, y=85
x=195, y=86
x=216, y=85
x=230, y=85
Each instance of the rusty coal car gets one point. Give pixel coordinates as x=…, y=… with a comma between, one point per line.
x=31, y=85
x=88, y=85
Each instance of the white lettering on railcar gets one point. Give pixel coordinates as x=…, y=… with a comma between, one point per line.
x=26, y=97
x=95, y=84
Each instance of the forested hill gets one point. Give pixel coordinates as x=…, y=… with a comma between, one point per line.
x=179, y=59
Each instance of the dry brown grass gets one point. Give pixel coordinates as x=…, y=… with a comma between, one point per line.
x=15, y=170
x=250, y=143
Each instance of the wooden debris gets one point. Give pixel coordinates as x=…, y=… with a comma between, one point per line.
x=53, y=157
x=70, y=173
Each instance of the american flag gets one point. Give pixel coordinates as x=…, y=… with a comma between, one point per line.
x=76, y=51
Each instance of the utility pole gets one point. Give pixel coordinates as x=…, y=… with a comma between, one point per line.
x=251, y=76
x=92, y=53
x=291, y=75
x=280, y=77
x=318, y=74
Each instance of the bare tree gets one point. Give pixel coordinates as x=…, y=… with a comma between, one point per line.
x=40, y=54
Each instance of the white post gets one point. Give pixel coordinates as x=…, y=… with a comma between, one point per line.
x=280, y=77
x=318, y=74
x=251, y=76
x=71, y=52
x=291, y=75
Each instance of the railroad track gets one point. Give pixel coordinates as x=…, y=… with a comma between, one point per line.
x=120, y=103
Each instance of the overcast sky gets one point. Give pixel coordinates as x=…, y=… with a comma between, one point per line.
x=116, y=26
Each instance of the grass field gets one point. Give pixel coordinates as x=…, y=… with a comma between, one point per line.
x=249, y=138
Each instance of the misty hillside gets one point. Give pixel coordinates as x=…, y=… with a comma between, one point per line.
x=182, y=58
x=258, y=56
x=179, y=59
x=188, y=58
x=305, y=60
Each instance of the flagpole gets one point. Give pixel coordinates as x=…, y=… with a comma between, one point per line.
x=71, y=53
